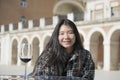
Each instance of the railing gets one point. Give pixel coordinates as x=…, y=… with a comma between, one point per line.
x=62, y=17
x=6, y=28
x=102, y=21
x=44, y=22
x=15, y=26
x=48, y=21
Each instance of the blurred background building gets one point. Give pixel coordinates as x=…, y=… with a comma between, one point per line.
x=33, y=21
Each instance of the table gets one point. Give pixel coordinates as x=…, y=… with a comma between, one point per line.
x=13, y=77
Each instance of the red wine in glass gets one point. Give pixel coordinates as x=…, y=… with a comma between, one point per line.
x=25, y=60
x=25, y=55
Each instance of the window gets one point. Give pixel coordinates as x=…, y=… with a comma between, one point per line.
x=114, y=11
x=23, y=3
x=98, y=14
x=99, y=11
x=23, y=20
x=115, y=8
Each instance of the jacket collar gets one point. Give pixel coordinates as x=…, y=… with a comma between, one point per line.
x=74, y=56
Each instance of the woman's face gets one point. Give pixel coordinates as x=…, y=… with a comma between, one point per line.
x=66, y=37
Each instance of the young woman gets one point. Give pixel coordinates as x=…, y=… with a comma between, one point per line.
x=64, y=54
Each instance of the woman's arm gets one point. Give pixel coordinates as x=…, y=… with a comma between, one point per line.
x=40, y=66
x=88, y=67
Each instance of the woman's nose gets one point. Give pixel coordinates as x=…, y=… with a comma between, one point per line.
x=66, y=35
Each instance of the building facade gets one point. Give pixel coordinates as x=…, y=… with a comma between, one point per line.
x=14, y=11
x=98, y=22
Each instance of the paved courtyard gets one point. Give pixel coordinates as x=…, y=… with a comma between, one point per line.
x=107, y=75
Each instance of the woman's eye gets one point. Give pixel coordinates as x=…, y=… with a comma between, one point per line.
x=61, y=33
x=70, y=32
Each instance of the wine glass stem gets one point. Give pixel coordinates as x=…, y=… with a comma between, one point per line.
x=25, y=71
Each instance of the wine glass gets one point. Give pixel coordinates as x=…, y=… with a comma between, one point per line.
x=26, y=55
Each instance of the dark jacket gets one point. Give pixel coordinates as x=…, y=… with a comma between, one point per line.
x=75, y=66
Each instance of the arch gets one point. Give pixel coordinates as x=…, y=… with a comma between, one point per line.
x=24, y=39
x=68, y=6
x=14, y=55
x=114, y=41
x=94, y=30
x=111, y=31
x=35, y=36
x=96, y=39
x=46, y=39
x=35, y=43
x=14, y=38
x=96, y=48
x=14, y=50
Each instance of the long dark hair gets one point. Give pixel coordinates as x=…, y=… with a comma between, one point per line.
x=57, y=50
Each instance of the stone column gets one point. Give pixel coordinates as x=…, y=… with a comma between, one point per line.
x=106, y=56
x=40, y=50
x=71, y=16
x=55, y=20
x=86, y=44
x=20, y=26
x=18, y=59
x=2, y=28
x=30, y=24
x=41, y=47
x=42, y=22
x=10, y=27
x=5, y=53
x=107, y=9
x=87, y=13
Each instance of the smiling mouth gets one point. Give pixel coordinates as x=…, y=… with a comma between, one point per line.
x=66, y=42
